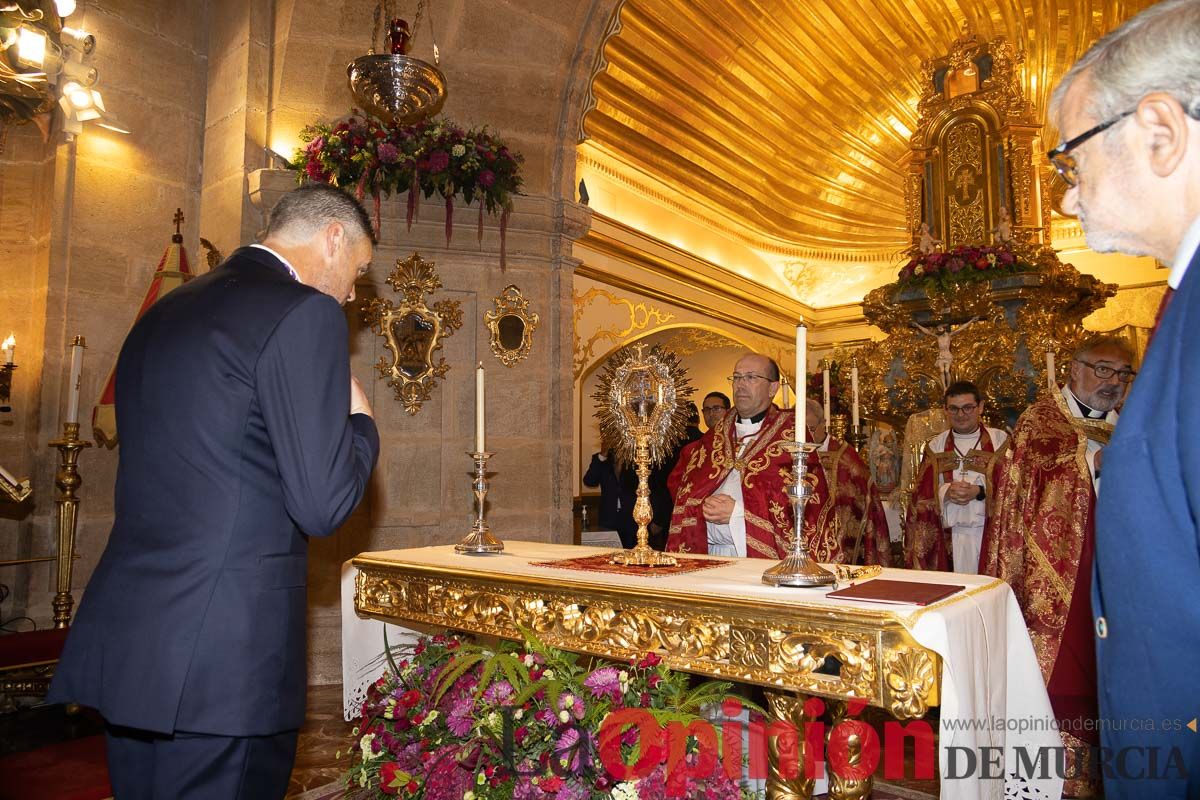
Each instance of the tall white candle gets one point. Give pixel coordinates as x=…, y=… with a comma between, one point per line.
x=76, y=372
x=10, y=348
x=801, y=358
x=854, y=393
x=479, y=409
x=1050, y=376
x=825, y=386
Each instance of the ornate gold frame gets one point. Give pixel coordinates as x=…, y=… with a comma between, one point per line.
x=510, y=302
x=414, y=277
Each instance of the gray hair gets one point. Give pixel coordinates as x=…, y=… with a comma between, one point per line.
x=1096, y=341
x=302, y=212
x=1156, y=51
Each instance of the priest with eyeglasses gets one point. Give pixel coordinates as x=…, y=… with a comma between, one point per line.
x=1040, y=537
x=944, y=520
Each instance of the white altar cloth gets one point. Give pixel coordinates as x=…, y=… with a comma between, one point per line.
x=992, y=693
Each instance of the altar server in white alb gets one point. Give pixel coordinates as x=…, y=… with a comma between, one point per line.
x=949, y=505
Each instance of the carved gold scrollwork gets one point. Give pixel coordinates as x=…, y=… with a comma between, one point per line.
x=413, y=331
x=843, y=787
x=910, y=677
x=512, y=325
x=785, y=750
x=736, y=645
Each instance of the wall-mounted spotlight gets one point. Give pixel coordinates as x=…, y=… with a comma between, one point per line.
x=79, y=39
x=65, y=8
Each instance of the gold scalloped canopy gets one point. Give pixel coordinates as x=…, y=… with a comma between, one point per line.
x=786, y=121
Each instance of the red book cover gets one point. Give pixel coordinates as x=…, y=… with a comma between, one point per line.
x=882, y=590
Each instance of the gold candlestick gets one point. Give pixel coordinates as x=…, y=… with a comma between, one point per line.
x=798, y=569
x=67, y=479
x=480, y=539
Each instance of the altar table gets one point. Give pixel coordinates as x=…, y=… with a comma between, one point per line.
x=970, y=653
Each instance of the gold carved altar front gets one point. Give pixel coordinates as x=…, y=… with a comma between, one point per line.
x=772, y=637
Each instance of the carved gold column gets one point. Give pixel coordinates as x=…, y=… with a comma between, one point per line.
x=781, y=784
x=843, y=788
x=67, y=479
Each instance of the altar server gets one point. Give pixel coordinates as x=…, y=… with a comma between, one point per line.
x=242, y=434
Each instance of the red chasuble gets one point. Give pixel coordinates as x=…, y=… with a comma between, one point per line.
x=765, y=468
x=1040, y=539
x=926, y=542
x=853, y=528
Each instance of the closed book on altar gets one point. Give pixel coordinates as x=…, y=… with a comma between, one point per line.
x=882, y=590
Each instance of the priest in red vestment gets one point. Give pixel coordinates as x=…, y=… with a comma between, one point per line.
x=731, y=498
x=1040, y=536
x=850, y=528
x=953, y=492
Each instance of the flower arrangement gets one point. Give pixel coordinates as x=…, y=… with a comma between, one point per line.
x=450, y=719
x=938, y=271
x=432, y=156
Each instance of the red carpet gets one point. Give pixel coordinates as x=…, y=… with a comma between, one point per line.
x=71, y=770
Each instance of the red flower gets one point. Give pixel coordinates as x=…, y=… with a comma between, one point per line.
x=649, y=660
x=410, y=698
x=654, y=680
x=438, y=160
x=390, y=778
x=550, y=785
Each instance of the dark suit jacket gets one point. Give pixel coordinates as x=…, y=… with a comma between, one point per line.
x=1148, y=558
x=236, y=445
x=617, y=496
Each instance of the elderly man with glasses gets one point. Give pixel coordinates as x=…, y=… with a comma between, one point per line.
x=1130, y=112
x=943, y=524
x=731, y=497
x=1041, y=534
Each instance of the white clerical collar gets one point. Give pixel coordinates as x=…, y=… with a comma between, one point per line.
x=1073, y=403
x=1183, y=256
x=975, y=434
x=286, y=265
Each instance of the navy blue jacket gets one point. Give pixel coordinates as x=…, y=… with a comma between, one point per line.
x=1147, y=568
x=236, y=445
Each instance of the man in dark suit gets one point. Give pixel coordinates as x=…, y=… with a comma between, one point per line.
x=242, y=434
x=1129, y=116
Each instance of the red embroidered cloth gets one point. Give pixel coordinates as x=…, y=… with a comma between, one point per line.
x=601, y=563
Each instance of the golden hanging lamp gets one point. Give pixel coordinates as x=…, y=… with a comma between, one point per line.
x=397, y=88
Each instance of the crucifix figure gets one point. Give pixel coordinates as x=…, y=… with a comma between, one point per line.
x=942, y=334
x=965, y=182
x=178, y=220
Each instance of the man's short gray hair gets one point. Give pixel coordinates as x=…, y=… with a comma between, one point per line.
x=302, y=212
x=1156, y=51
x=1096, y=341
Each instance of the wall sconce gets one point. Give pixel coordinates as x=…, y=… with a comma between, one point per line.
x=9, y=347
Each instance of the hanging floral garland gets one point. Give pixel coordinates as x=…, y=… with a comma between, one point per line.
x=433, y=156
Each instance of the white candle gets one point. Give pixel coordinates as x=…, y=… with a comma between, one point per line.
x=10, y=348
x=825, y=386
x=76, y=373
x=1050, y=378
x=854, y=393
x=479, y=408
x=801, y=358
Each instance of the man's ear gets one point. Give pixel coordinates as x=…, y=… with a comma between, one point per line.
x=1164, y=127
x=335, y=239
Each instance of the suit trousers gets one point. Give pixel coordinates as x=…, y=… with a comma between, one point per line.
x=143, y=765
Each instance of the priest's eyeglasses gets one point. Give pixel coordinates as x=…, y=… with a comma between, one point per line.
x=968, y=409
x=1104, y=373
x=1064, y=162
x=749, y=377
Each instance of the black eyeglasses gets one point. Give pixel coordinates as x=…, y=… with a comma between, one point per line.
x=749, y=377
x=1104, y=373
x=968, y=409
x=1061, y=156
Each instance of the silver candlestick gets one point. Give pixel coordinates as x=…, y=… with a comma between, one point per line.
x=480, y=539
x=798, y=569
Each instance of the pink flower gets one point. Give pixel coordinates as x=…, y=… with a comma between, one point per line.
x=387, y=152
x=487, y=178
x=604, y=682
x=438, y=160
x=649, y=660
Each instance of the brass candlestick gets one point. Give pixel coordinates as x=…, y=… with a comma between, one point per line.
x=480, y=539
x=67, y=479
x=643, y=555
x=6, y=373
x=798, y=569
x=858, y=438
